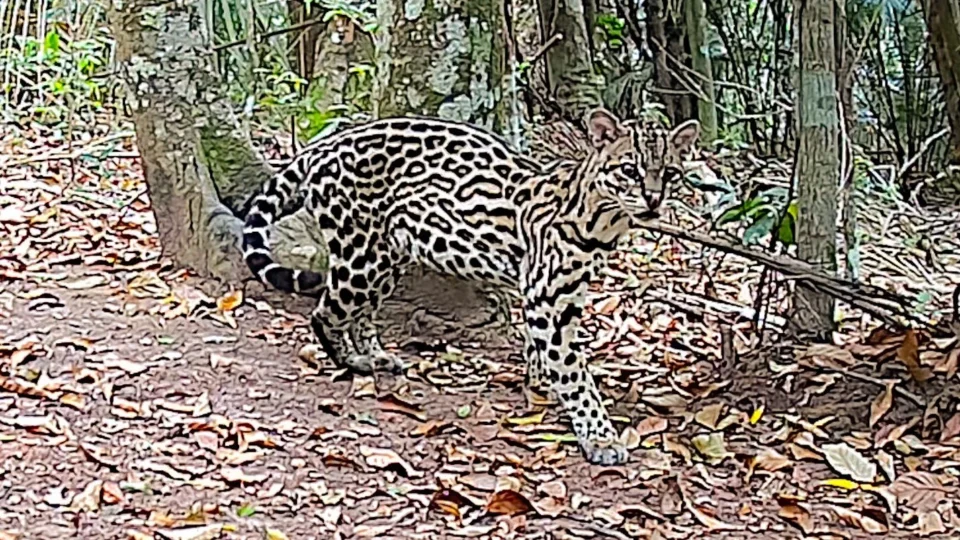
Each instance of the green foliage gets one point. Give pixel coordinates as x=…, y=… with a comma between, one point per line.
x=49, y=79
x=612, y=27
x=763, y=215
x=262, y=81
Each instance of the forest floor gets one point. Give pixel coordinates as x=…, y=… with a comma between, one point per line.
x=135, y=406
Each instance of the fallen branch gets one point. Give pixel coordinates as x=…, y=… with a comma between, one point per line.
x=867, y=378
x=883, y=304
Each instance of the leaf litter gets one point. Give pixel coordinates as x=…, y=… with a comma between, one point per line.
x=146, y=394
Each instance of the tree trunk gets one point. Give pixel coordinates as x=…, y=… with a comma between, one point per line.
x=441, y=59
x=304, y=42
x=168, y=75
x=817, y=165
x=707, y=100
x=665, y=39
x=200, y=166
x=848, y=195
x=571, y=78
x=943, y=24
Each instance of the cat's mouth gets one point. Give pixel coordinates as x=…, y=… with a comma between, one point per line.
x=648, y=215
x=638, y=208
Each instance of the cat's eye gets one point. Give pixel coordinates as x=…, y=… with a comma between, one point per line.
x=629, y=170
x=672, y=172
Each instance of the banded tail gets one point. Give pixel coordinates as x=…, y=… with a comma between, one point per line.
x=264, y=210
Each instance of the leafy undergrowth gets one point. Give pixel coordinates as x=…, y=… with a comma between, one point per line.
x=134, y=405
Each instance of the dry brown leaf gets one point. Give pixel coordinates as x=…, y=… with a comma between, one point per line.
x=672, y=444
x=449, y=501
x=948, y=364
x=363, y=387
x=882, y=403
x=951, y=428
x=480, y=482
x=550, y=507
x=930, y=523
x=802, y=453
x=430, y=428
x=555, y=489
x=711, y=522
x=383, y=458
x=207, y=440
x=113, y=494
x=630, y=438
x=873, y=522
x=88, y=500
x=204, y=532
x=799, y=516
x=508, y=502
x=236, y=475
x=76, y=401
x=825, y=355
x=607, y=305
x=770, y=460
x=371, y=531
x=652, y=425
x=709, y=415
x=847, y=461
x=165, y=469
x=666, y=401
x=909, y=354
x=230, y=301
x=84, y=283
x=888, y=434
x=392, y=403
x=24, y=388
x=98, y=454
x=921, y=491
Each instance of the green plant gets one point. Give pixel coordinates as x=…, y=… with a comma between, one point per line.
x=53, y=78
x=612, y=27
x=762, y=215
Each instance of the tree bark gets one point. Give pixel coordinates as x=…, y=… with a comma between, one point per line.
x=571, y=78
x=707, y=100
x=304, y=51
x=199, y=164
x=943, y=25
x=441, y=59
x=665, y=39
x=168, y=76
x=817, y=165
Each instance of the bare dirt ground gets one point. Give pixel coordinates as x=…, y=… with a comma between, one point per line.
x=135, y=406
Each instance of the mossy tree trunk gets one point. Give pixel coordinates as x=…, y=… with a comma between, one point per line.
x=200, y=166
x=442, y=58
x=817, y=165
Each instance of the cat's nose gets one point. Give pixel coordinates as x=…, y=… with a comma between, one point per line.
x=653, y=194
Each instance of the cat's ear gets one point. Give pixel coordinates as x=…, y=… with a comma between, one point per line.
x=603, y=127
x=684, y=136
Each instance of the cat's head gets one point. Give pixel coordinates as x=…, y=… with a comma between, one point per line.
x=637, y=162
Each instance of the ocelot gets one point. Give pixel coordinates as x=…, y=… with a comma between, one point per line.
x=401, y=191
